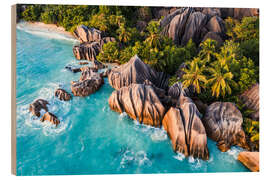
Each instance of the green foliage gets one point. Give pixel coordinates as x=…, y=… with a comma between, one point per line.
x=32, y=13
x=109, y=53
x=194, y=75
x=246, y=33
x=227, y=72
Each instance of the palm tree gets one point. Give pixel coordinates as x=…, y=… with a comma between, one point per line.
x=208, y=49
x=154, y=37
x=124, y=34
x=220, y=80
x=194, y=76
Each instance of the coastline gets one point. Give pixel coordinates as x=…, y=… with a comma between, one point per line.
x=48, y=27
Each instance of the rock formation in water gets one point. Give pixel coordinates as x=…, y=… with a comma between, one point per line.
x=89, y=82
x=140, y=102
x=86, y=34
x=62, y=95
x=251, y=99
x=185, y=129
x=51, y=118
x=136, y=71
x=73, y=69
x=91, y=44
x=223, y=123
x=251, y=160
x=37, y=105
x=105, y=73
x=88, y=50
x=83, y=63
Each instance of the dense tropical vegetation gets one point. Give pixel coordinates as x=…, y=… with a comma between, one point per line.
x=217, y=73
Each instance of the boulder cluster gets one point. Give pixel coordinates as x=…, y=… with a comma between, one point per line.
x=91, y=42
x=145, y=95
x=199, y=24
x=40, y=104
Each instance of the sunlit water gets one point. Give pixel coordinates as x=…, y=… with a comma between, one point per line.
x=91, y=139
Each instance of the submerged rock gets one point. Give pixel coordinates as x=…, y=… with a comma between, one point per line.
x=223, y=123
x=251, y=98
x=251, y=160
x=83, y=63
x=86, y=34
x=37, y=105
x=73, y=69
x=136, y=71
x=185, y=129
x=90, y=81
x=51, y=118
x=140, y=102
x=62, y=95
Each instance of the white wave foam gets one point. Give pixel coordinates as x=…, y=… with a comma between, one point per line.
x=44, y=32
x=234, y=151
x=139, y=158
x=159, y=135
x=179, y=156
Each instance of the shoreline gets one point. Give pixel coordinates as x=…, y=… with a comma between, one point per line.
x=48, y=27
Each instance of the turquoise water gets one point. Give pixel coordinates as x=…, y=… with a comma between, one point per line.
x=91, y=139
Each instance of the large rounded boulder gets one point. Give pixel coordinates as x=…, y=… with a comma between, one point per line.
x=223, y=123
x=136, y=71
x=87, y=50
x=140, y=102
x=185, y=129
x=86, y=34
x=90, y=81
x=251, y=98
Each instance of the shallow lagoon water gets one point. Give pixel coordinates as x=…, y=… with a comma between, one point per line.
x=91, y=139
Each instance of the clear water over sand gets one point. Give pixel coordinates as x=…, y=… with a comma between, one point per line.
x=91, y=139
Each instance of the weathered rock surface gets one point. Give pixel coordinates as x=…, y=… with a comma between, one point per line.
x=223, y=123
x=86, y=34
x=252, y=100
x=140, y=102
x=37, y=105
x=211, y=11
x=105, y=73
x=185, y=129
x=83, y=63
x=239, y=13
x=195, y=23
x=251, y=160
x=177, y=89
x=73, y=69
x=90, y=81
x=177, y=25
x=136, y=71
x=62, y=95
x=88, y=50
x=216, y=24
x=98, y=65
x=51, y=118
x=213, y=36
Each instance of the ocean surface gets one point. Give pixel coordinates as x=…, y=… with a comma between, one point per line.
x=91, y=139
